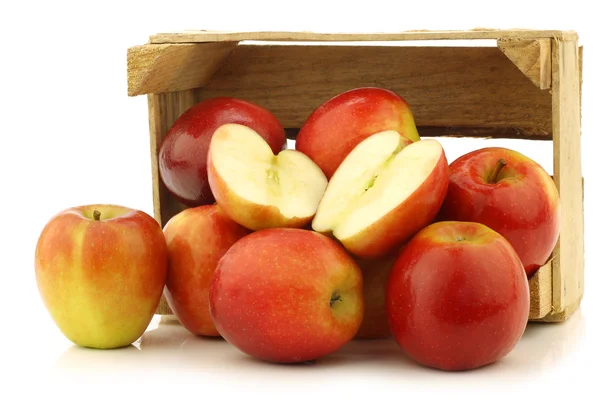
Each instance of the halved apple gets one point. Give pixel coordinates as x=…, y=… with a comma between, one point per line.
x=385, y=191
x=258, y=189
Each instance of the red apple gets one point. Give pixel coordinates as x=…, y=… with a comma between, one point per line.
x=257, y=188
x=100, y=271
x=384, y=192
x=342, y=122
x=287, y=295
x=510, y=193
x=457, y=297
x=196, y=239
x=183, y=153
x=375, y=273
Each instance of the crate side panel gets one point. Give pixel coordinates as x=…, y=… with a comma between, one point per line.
x=445, y=86
x=540, y=292
x=568, y=264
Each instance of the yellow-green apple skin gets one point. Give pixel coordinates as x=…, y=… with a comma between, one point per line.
x=197, y=238
x=521, y=202
x=334, y=128
x=287, y=295
x=100, y=271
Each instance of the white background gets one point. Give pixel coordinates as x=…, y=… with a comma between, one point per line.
x=71, y=136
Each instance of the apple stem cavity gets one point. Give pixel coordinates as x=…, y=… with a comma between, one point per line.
x=96, y=214
x=334, y=297
x=499, y=165
x=461, y=239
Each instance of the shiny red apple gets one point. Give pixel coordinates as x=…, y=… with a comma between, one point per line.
x=457, y=296
x=334, y=128
x=287, y=295
x=196, y=239
x=510, y=193
x=183, y=153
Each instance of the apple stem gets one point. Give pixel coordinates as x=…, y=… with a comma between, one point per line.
x=499, y=165
x=335, y=297
x=96, y=215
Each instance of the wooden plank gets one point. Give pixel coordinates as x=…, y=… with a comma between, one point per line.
x=532, y=57
x=459, y=132
x=540, y=292
x=445, y=86
x=158, y=68
x=163, y=110
x=198, y=36
x=568, y=264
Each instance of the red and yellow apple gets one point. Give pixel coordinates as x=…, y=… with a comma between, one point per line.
x=384, y=192
x=257, y=188
x=287, y=295
x=196, y=239
x=457, y=296
x=510, y=193
x=334, y=128
x=375, y=273
x=100, y=271
x=183, y=152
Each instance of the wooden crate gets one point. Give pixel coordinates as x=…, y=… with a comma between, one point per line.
x=527, y=86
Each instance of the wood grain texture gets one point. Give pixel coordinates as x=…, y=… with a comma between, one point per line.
x=445, y=86
x=199, y=36
x=540, y=292
x=532, y=57
x=158, y=68
x=568, y=264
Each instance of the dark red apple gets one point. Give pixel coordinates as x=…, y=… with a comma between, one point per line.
x=183, y=153
x=457, y=297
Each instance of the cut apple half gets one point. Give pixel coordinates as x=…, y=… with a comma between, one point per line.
x=258, y=189
x=385, y=191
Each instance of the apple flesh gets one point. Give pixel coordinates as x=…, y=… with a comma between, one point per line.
x=196, y=238
x=342, y=122
x=457, y=297
x=257, y=188
x=510, y=193
x=384, y=192
x=100, y=270
x=287, y=295
x=183, y=153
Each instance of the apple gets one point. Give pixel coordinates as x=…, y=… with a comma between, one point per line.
x=100, y=270
x=334, y=128
x=510, y=193
x=257, y=188
x=183, y=152
x=287, y=295
x=196, y=239
x=375, y=274
x=457, y=296
x=384, y=192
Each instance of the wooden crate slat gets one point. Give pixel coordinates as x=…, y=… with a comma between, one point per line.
x=445, y=86
x=532, y=57
x=198, y=36
x=158, y=68
x=568, y=264
x=540, y=292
